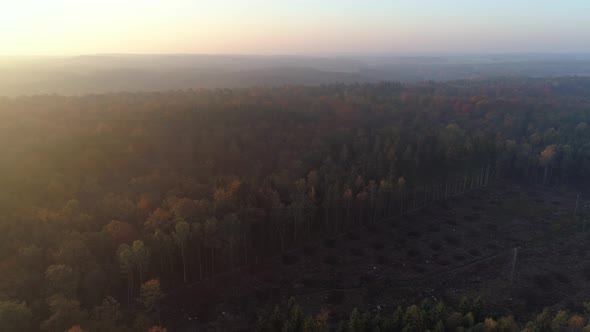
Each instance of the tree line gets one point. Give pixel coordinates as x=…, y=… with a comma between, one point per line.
x=468, y=315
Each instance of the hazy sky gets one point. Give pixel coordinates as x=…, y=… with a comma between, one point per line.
x=70, y=27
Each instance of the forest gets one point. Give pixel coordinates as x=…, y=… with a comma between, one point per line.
x=110, y=202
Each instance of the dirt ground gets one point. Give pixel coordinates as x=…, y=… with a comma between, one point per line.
x=463, y=247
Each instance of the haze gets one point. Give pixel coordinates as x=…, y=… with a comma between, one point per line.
x=272, y=165
x=65, y=27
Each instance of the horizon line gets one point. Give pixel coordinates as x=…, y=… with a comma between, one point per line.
x=307, y=55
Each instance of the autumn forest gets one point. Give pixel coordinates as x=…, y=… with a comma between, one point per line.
x=111, y=203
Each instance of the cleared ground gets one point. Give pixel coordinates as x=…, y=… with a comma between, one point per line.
x=462, y=247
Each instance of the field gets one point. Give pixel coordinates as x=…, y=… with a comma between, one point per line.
x=462, y=247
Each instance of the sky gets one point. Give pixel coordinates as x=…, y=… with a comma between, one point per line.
x=303, y=27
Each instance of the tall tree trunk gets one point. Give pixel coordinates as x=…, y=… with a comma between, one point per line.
x=481, y=177
x=245, y=249
x=327, y=215
x=129, y=287
x=336, y=224
x=372, y=205
x=200, y=262
x=231, y=255
x=295, y=229
x=361, y=214
x=183, y=263
x=390, y=203
x=282, y=238
x=348, y=212
x=545, y=174
x=375, y=210
x=212, y=262
x=327, y=208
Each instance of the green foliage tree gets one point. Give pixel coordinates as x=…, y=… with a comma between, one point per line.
x=230, y=227
x=210, y=230
x=182, y=233
x=197, y=239
x=15, y=317
x=62, y=279
x=358, y=321
x=140, y=254
x=295, y=319
x=106, y=316
x=64, y=313
x=126, y=262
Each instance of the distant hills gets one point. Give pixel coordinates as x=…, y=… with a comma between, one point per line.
x=118, y=73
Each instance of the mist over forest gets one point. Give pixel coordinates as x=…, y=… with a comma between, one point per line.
x=74, y=75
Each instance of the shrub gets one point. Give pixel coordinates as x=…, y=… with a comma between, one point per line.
x=490, y=324
x=454, y=321
x=468, y=320
x=576, y=322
